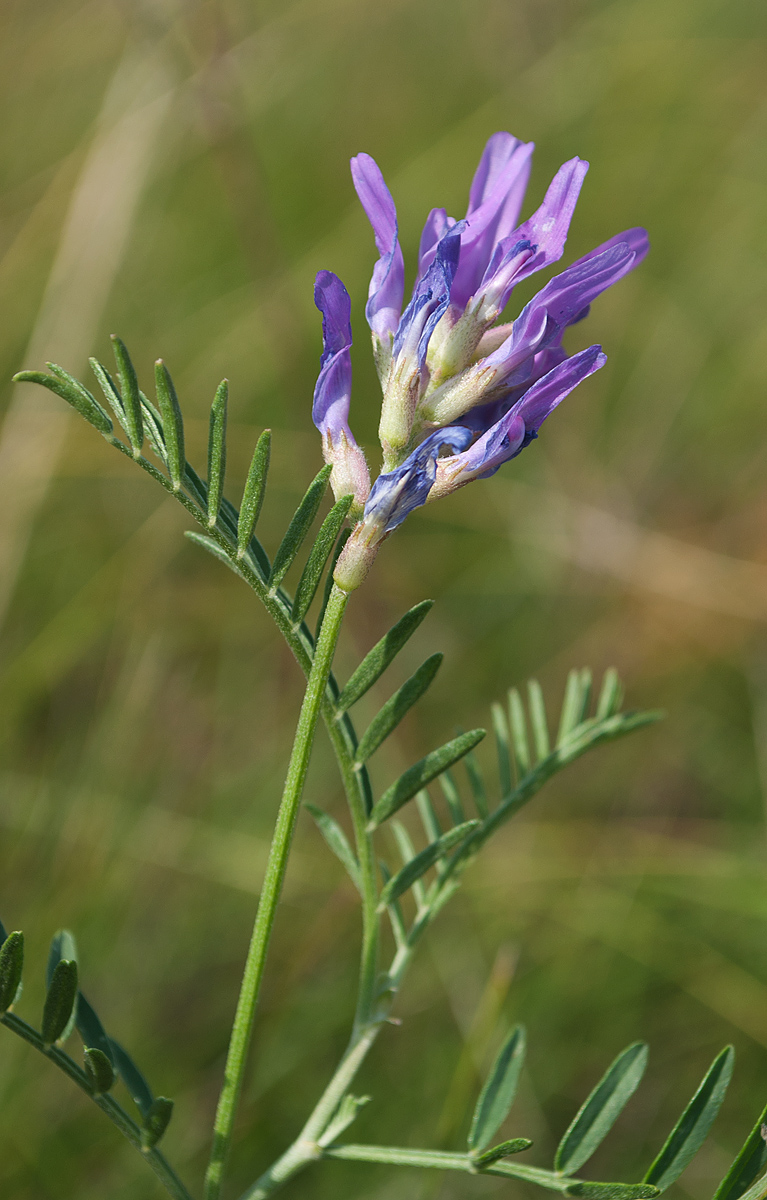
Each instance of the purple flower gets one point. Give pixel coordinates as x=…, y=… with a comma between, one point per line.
x=332, y=393
x=462, y=394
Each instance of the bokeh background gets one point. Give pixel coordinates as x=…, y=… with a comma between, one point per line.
x=177, y=171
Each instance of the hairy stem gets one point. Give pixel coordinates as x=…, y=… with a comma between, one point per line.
x=116, y=1113
x=270, y=892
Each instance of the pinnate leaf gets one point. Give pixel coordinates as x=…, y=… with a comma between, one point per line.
x=598, y=1114
x=418, y=776
x=422, y=862
x=389, y=717
x=299, y=527
x=497, y=1096
x=383, y=653
x=691, y=1129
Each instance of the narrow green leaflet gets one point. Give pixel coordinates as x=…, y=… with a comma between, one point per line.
x=575, y=704
x=156, y=1121
x=477, y=784
x=497, y=1096
x=99, y=1070
x=598, y=1114
x=429, y=818
x=518, y=725
x=299, y=527
x=389, y=717
x=72, y=391
x=153, y=428
x=502, y=1150
x=338, y=843
x=420, y=864
x=612, y=1191
x=131, y=397
x=107, y=385
x=63, y=946
x=172, y=423
x=213, y=548
x=378, y=659
x=749, y=1164
x=132, y=1078
x=501, y=731
x=318, y=557
x=11, y=967
x=757, y=1191
x=418, y=776
x=610, y=695
x=452, y=797
x=59, y=1002
x=90, y=1028
x=217, y=451
x=538, y=720
x=253, y=496
x=691, y=1129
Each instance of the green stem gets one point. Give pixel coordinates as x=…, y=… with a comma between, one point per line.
x=270, y=892
x=443, y=1160
x=116, y=1113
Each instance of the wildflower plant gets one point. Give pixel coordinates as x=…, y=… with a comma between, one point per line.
x=463, y=392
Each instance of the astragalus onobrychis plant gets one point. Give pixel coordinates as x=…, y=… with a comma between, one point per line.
x=462, y=395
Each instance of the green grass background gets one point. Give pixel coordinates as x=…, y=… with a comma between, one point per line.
x=176, y=171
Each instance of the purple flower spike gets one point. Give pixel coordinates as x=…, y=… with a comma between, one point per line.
x=431, y=297
x=387, y=285
x=397, y=493
x=332, y=392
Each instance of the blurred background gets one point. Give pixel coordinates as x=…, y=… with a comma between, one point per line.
x=177, y=171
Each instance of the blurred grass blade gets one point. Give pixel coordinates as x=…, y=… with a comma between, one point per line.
x=477, y=783
x=11, y=967
x=131, y=397
x=691, y=1129
x=253, y=495
x=422, y=862
x=418, y=776
x=610, y=695
x=388, y=718
x=299, y=527
x=74, y=393
x=338, y=843
x=452, y=797
x=611, y=1191
x=518, y=725
x=63, y=945
x=132, y=1078
x=172, y=423
x=217, y=451
x=598, y=1114
x=156, y=1121
x=501, y=731
x=377, y=660
x=318, y=557
x=343, y=538
x=538, y=720
x=748, y=1165
x=99, y=1070
x=58, y=1010
x=502, y=1150
x=90, y=1028
x=497, y=1096
x=429, y=818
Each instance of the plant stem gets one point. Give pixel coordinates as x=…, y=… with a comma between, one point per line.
x=116, y=1113
x=270, y=892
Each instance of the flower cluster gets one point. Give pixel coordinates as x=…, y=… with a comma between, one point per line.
x=461, y=393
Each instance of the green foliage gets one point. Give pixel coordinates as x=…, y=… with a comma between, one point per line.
x=338, y=842
x=600, y=1111
x=691, y=1129
x=748, y=1165
x=253, y=495
x=217, y=451
x=382, y=655
x=298, y=528
x=99, y=1070
x=69, y=389
x=156, y=1121
x=419, y=864
x=59, y=1002
x=497, y=1095
x=11, y=968
x=318, y=557
x=389, y=717
x=424, y=771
